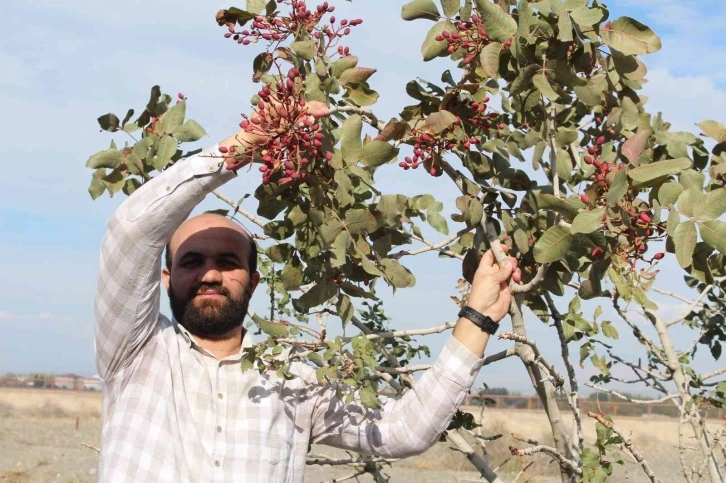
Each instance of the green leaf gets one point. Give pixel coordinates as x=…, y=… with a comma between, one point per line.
x=345, y=309
x=586, y=17
x=668, y=193
x=630, y=37
x=688, y=200
x=292, y=275
x=548, y=201
x=306, y=49
x=588, y=221
x=499, y=25
x=439, y=121
x=280, y=252
x=714, y=130
x=451, y=7
x=261, y=65
x=189, y=132
x=167, y=148
x=609, y=331
x=109, y=122
x=543, y=85
x=360, y=94
x=416, y=9
x=368, y=396
x=173, y=118
x=109, y=158
x=97, y=188
x=255, y=6
x=398, y=275
x=658, y=169
x=344, y=189
x=617, y=189
x=272, y=329
x=376, y=153
x=712, y=206
x=634, y=146
x=350, y=140
x=553, y=245
x=361, y=221
x=356, y=74
x=713, y=232
x=489, y=59
x=431, y=48
x=684, y=238
x=438, y=222
x=341, y=65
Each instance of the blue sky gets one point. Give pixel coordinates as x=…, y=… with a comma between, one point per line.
x=63, y=65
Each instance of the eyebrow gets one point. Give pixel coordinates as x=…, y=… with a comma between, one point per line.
x=188, y=255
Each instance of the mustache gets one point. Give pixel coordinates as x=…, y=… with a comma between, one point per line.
x=204, y=286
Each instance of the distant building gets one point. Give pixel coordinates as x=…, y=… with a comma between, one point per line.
x=93, y=383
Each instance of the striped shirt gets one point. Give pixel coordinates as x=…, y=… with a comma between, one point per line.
x=172, y=412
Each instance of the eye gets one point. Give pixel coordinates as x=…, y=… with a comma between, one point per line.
x=191, y=263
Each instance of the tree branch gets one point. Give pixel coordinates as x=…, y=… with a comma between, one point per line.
x=559, y=381
x=690, y=307
x=574, y=390
x=245, y=213
x=628, y=444
x=431, y=246
x=541, y=448
x=479, y=463
x=629, y=399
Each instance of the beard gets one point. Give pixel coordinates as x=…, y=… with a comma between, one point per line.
x=209, y=319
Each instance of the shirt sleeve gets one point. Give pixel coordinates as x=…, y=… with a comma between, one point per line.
x=127, y=298
x=402, y=427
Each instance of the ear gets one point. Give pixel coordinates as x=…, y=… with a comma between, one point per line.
x=166, y=277
x=254, y=280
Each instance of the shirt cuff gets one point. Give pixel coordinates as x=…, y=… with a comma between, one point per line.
x=458, y=363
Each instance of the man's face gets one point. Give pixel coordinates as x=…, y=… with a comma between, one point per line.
x=209, y=284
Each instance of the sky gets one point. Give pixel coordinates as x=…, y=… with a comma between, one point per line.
x=64, y=64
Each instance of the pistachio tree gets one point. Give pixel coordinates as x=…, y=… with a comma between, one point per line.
x=540, y=126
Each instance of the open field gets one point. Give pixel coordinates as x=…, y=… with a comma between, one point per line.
x=39, y=443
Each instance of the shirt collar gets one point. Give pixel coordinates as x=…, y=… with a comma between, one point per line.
x=247, y=341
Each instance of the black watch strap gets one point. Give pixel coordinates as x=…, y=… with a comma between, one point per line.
x=484, y=322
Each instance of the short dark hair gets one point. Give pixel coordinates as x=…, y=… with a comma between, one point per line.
x=251, y=261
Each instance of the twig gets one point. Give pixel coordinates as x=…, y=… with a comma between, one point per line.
x=629, y=399
x=552, y=116
x=480, y=463
x=713, y=373
x=541, y=448
x=628, y=444
x=355, y=474
x=715, y=443
x=404, y=333
x=559, y=381
x=91, y=447
x=690, y=307
x=359, y=110
x=327, y=460
x=430, y=246
x=245, y=213
x=674, y=295
x=405, y=369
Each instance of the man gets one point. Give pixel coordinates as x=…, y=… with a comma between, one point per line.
x=177, y=406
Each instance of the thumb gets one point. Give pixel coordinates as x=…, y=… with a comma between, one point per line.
x=504, y=272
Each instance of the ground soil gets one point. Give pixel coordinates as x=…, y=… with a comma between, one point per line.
x=39, y=442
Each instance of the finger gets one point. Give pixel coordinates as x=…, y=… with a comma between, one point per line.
x=517, y=275
x=504, y=272
x=487, y=260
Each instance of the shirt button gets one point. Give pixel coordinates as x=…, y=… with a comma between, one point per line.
x=220, y=395
x=168, y=188
x=216, y=463
x=211, y=168
x=219, y=429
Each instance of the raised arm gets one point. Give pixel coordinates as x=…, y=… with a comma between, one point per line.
x=127, y=298
x=413, y=423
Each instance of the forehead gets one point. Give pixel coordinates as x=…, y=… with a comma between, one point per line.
x=210, y=235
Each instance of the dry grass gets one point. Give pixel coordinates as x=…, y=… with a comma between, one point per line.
x=44, y=415
x=49, y=403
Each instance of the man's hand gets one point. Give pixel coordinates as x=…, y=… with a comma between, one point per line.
x=490, y=293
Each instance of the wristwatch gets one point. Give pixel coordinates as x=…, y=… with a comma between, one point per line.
x=484, y=322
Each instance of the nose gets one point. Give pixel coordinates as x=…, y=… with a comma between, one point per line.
x=211, y=274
